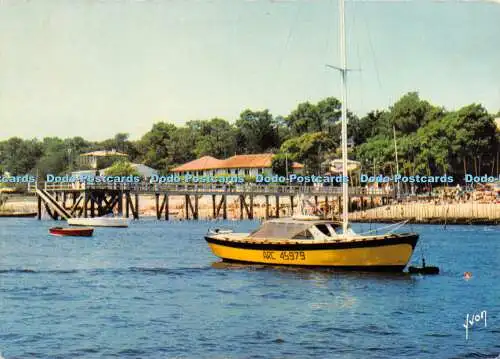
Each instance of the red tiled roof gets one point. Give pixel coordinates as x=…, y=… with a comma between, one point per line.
x=239, y=161
x=263, y=160
x=203, y=163
x=249, y=161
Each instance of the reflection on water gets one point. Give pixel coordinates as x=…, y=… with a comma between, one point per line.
x=318, y=277
x=342, y=301
x=317, y=273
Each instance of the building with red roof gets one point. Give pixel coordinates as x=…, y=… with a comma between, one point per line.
x=243, y=165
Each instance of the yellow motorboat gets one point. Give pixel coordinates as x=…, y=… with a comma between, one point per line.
x=314, y=243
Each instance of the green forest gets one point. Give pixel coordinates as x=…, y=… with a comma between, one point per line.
x=430, y=141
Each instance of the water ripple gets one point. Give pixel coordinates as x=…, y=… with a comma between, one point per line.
x=156, y=291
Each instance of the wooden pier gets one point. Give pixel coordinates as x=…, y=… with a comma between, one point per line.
x=67, y=200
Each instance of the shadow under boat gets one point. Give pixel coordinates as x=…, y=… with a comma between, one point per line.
x=311, y=272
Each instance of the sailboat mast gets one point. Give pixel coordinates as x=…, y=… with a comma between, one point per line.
x=343, y=100
x=397, y=162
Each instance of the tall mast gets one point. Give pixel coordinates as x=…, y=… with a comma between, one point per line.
x=397, y=162
x=343, y=100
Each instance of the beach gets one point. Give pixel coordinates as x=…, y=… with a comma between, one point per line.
x=462, y=213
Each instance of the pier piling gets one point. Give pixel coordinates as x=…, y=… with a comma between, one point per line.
x=267, y=207
x=277, y=210
x=100, y=199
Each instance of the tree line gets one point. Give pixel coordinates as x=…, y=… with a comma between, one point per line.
x=430, y=140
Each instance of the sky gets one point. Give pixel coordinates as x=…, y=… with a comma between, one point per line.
x=93, y=68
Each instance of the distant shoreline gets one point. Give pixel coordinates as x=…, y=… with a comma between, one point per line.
x=472, y=212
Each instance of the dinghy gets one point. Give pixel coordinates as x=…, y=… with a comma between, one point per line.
x=99, y=222
x=73, y=232
x=424, y=269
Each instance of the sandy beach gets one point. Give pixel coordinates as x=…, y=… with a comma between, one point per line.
x=431, y=212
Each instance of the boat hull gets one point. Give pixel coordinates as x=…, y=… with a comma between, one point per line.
x=72, y=232
x=99, y=222
x=17, y=214
x=391, y=253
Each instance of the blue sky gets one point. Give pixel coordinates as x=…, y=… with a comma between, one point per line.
x=97, y=67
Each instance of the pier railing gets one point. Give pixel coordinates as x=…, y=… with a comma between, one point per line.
x=247, y=188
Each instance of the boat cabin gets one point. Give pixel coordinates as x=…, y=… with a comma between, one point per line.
x=296, y=229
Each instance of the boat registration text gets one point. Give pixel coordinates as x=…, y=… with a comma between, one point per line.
x=284, y=255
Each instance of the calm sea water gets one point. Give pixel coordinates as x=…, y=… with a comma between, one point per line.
x=154, y=290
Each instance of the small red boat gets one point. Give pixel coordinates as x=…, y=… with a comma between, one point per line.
x=75, y=232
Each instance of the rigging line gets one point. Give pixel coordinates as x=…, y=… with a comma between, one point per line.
x=233, y=41
x=395, y=225
x=329, y=49
x=288, y=38
x=372, y=50
x=355, y=22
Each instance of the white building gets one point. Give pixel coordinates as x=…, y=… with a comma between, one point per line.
x=99, y=159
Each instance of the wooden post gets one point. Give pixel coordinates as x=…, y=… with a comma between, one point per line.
x=101, y=197
x=56, y=213
x=127, y=204
x=277, y=210
x=39, y=207
x=267, y=206
x=291, y=204
x=120, y=203
x=224, y=208
x=136, y=214
x=195, y=214
x=250, y=214
x=92, y=205
x=241, y=207
x=64, y=199
x=186, y=199
x=167, y=209
x=219, y=206
x=158, y=209
x=85, y=201
x=213, y=207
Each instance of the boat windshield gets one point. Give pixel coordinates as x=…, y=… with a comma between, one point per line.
x=280, y=230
